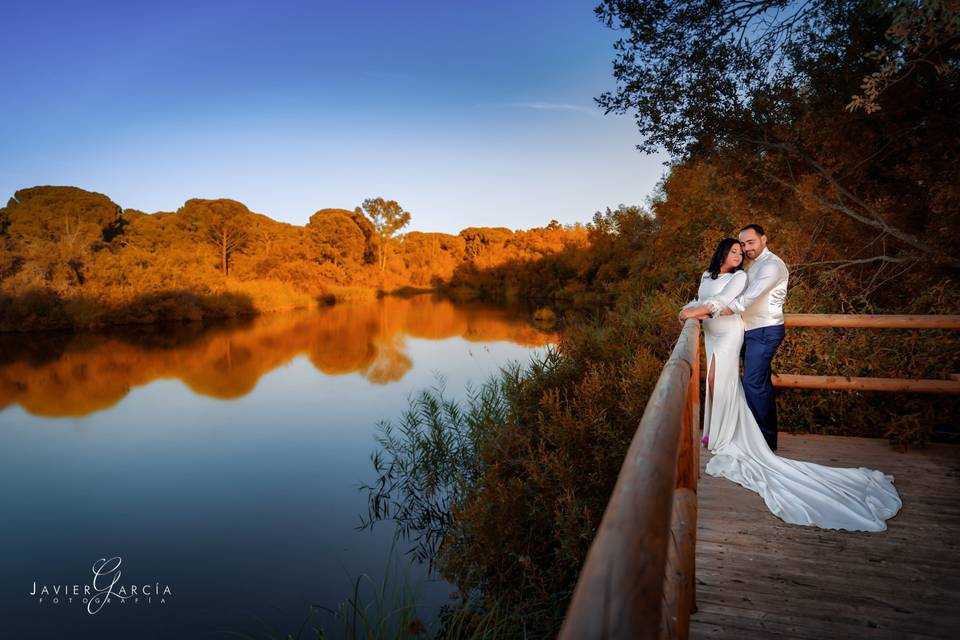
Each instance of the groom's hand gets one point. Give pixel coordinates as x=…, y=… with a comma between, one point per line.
x=726, y=312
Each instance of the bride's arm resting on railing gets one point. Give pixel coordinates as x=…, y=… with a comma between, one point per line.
x=712, y=306
x=698, y=313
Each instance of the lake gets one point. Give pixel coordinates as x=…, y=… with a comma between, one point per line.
x=207, y=476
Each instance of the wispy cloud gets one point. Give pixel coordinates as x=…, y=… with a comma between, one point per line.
x=389, y=75
x=553, y=106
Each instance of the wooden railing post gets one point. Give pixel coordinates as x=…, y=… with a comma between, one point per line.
x=694, y=403
x=695, y=470
x=687, y=450
x=679, y=582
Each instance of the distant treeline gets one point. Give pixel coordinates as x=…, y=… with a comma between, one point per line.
x=72, y=258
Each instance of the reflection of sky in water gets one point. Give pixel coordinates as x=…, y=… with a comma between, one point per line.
x=241, y=506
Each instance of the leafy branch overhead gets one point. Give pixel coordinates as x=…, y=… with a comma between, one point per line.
x=849, y=106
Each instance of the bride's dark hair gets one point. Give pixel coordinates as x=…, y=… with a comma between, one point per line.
x=720, y=255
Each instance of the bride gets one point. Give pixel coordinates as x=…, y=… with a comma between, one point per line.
x=856, y=499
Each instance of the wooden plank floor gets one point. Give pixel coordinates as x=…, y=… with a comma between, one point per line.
x=758, y=577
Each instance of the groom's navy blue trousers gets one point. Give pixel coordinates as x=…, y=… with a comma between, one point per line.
x=759, y=346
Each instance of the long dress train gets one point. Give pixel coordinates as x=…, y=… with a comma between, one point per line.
x=805, y=493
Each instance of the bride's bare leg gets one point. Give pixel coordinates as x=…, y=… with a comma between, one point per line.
x=710, y=375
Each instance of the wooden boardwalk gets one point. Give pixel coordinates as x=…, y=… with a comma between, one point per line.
x=758, y=577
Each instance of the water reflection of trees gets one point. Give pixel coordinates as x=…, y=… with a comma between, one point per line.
x=74, y=374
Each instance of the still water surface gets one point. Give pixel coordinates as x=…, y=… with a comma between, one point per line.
x=220, y=462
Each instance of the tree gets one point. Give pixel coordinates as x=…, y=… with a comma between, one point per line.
x=225, y=227
x=770, y=87
x=337, y=237
x=702, y=73
x=387, y=217
x=922, y=36
x=54, y=233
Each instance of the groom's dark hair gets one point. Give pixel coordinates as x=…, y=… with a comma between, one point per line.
x=755, y=227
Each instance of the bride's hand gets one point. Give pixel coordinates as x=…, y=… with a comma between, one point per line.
x=686, y=314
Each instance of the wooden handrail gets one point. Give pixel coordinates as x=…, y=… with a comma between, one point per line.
x=855, y=321
x=637, y=580
x=845, y=383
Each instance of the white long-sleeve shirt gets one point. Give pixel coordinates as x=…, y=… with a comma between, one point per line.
x=761, y=303
x=718, y=293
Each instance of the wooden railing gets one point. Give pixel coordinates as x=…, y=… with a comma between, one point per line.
x=638, y=577
x=638, y=580
x=899, y=385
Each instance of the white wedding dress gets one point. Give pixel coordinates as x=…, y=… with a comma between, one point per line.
x=856, y=499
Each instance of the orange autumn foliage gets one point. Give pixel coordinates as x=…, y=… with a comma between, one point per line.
x=72, y=258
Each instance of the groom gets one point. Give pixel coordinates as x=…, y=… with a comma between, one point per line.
x=761, y=308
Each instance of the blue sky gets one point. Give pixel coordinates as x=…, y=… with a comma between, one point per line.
x=468, y=113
